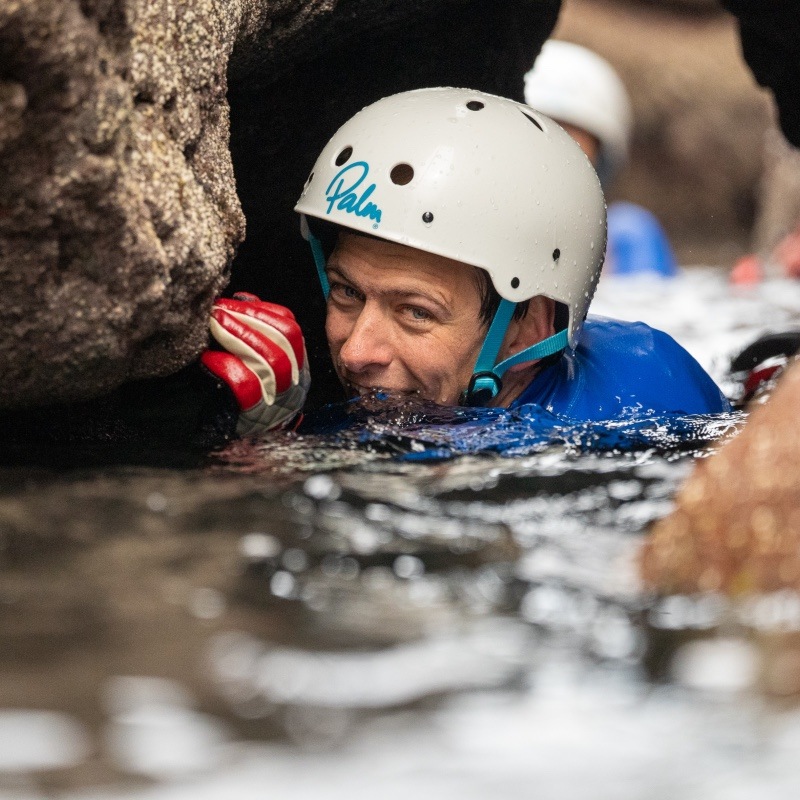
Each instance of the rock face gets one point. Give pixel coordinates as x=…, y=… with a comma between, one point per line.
x=736, y=527
x=119, y=215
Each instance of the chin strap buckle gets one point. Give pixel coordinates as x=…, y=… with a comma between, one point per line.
x=483, y=386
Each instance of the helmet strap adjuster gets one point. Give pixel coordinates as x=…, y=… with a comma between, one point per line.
x=486, y=382
x=483, y=386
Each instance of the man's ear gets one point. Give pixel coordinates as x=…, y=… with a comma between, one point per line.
x=537, y=324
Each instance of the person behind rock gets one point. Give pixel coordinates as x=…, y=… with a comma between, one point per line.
x=458, y=238
x=585, y=95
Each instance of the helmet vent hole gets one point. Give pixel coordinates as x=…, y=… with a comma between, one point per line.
x=532, y=119
x=556, y=254
x=343, y=156
x=515, y=283
x=427, y=217
x=402, y=174
x=474, y=105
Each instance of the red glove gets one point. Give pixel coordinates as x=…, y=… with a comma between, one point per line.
x=264, y=361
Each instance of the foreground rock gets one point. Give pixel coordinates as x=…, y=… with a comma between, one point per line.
x=736, y=527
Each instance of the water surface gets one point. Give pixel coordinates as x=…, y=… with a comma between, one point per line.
x=429, y=603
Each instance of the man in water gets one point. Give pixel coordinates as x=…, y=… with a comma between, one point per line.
x=458, y=238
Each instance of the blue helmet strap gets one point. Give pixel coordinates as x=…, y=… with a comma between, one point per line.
x=486, y=378
x=319, y=261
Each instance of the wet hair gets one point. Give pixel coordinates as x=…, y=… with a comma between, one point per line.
x=490, y=299
x=490, y=302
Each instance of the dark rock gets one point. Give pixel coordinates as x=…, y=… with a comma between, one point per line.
x=770, y=33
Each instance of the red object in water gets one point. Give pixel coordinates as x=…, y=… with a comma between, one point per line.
x=748, y=269
x=758, y=377
x=787, y=254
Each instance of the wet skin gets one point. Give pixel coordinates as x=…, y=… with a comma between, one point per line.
x=403, y=320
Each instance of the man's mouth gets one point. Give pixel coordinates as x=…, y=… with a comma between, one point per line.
x=353, y=389
x=361, y=390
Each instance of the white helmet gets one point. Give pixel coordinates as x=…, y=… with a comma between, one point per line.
x=576, y=86
x=473, y=177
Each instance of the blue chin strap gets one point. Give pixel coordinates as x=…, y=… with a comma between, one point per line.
x=319, y=262
x=487, y=376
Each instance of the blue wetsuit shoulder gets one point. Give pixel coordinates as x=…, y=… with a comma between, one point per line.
x=624, y=369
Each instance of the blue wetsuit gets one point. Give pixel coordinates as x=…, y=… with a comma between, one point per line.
x=637, y=243
x=622, y=370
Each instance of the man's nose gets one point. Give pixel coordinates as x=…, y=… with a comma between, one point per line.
x=368, y=344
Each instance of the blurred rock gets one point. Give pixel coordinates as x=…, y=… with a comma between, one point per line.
x=699, y=119
x=779, y=197
x=736, y=525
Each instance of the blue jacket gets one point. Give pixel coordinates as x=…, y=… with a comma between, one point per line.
x=637, y=243
x=623, y=370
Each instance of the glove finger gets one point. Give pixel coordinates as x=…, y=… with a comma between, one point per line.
x=284, y=332
x=268, y=312
x=263, y=338
x=244, y=383
x=251, y=299
x=264, y=317
x=260, y=354
x=240, y=302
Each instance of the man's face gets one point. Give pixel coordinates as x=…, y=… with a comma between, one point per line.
x=401, y=319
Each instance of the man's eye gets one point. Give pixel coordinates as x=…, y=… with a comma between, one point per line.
x=419, y=314
x=345, y=292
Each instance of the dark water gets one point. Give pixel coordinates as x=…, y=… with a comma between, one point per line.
x=430, y=603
